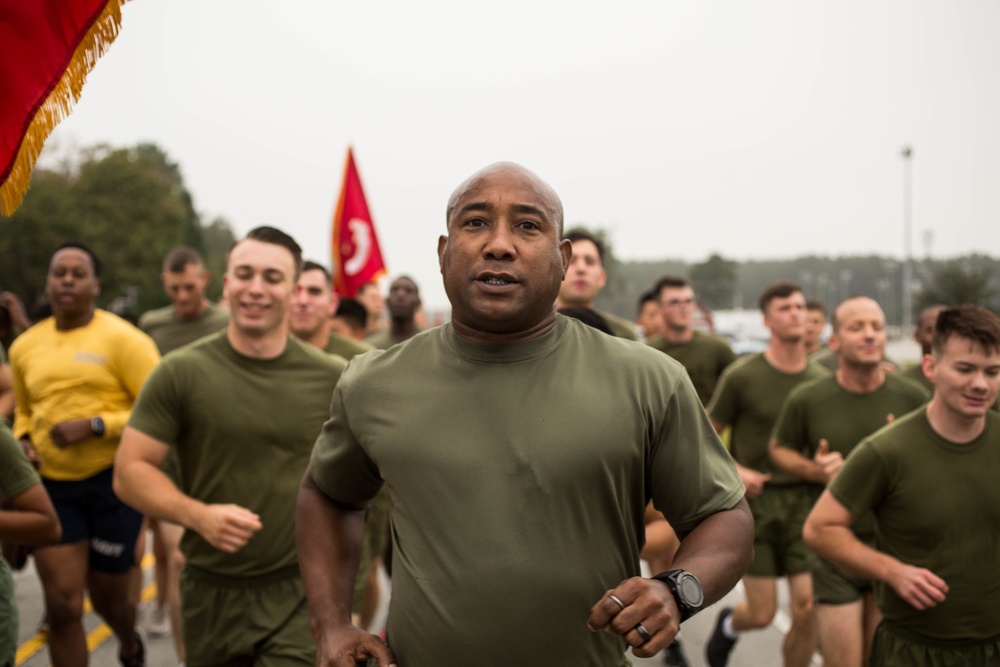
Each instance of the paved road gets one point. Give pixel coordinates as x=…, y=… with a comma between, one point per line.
x=759, y=648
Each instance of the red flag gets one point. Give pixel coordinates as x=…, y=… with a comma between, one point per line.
x=357, y=258
x=46, y=50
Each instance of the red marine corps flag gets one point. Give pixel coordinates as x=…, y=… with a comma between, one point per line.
x=46, y=50
x=356, y=255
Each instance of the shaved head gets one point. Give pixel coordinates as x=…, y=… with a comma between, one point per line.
x=551, y=199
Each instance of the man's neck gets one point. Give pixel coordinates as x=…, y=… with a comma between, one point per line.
x=787, y=356
x=402, y=329
x=813, y=347
x=267, y=346
x=319, y=338
x=198, y=313
x=491, y=338
x=560, y=304
x=66, y=322
x=952, y=426
x=860, y=379
x=678, y=336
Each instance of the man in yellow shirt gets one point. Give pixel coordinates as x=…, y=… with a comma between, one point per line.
x=76, y=376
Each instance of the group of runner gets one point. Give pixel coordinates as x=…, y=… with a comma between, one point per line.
x=517, y=463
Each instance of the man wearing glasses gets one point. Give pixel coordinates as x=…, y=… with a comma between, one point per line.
x=704, y=355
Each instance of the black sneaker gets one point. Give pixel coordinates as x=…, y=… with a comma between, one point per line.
x=139, y=659
x=719, y=646
x=674, y=656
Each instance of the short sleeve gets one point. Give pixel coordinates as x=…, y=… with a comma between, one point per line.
x=156, y=412
x=691, y=475
x=861, y=483
x=789, y=430
x=722, y=407
x=339, y=465
x=16, y=474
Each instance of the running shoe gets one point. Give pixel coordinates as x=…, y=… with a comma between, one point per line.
x=674, y=656
x=158, y=620
x=719, y=646
x=139, y=659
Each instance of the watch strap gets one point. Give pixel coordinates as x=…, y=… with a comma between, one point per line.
x=670, y=578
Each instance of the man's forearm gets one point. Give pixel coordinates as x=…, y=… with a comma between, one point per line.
x=794, y=463
x=328, y=537
x=840, y=546
x=718, y=550
x=143, y=486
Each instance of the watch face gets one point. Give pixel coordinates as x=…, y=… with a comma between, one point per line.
x=690, y=590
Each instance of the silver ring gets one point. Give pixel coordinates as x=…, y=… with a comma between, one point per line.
x=617, y=601
x=643, y=632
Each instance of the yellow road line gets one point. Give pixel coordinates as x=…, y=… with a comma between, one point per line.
x=95, y=637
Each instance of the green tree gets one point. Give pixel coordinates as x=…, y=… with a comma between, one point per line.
x=129, y=204
x=714, y=281
x=959, y=281
x=218, y=238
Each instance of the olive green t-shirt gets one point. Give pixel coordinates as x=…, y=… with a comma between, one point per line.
x=383, y=339
x=937, y=504
x=518, y=477
x=749, y=398
x=243, y=430
x=619, y=326
x=704, y=356
x=916, y=373
x=826, y=358
x=16, y=477
x=170, y=333
x=345, y=347
x=822, y=409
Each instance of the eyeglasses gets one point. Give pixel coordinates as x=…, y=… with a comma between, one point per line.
x=673, y=303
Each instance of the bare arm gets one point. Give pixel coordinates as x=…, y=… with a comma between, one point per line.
x=718, y=551
x=328, y=536
x=827, y=531
x=6, y=392
x=661, y=540
x=32, y=520
x=819, y=470
x=139, y=482
x=18, y=318
x=753, y=480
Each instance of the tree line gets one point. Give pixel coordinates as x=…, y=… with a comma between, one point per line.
x=723, y=284
x=130, y=205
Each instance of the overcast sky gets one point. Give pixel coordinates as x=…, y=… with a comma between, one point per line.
x=756, y=130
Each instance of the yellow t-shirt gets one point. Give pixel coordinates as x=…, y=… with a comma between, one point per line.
x=95, y=370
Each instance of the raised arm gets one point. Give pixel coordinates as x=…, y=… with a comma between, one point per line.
x=6, y=391
x=753, y=480
x=819, y=470
x=31, y=518
x=328, y=536
x=827, y=531
x=717, y=551
x=139, y=482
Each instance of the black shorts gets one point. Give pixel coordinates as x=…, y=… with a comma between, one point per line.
x=89, y=510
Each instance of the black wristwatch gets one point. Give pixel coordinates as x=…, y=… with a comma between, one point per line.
x=686, y=589
x=97, y=427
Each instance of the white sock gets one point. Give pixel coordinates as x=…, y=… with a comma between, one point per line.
x=727, y=628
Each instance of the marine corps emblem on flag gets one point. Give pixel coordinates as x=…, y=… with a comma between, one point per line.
x=357, y=258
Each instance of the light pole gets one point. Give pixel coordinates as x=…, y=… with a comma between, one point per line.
x=907, y=154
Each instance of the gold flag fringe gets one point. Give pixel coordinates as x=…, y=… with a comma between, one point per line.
x=58, y=105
